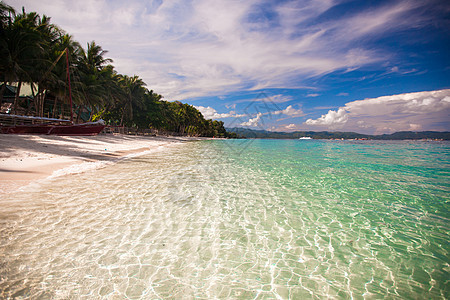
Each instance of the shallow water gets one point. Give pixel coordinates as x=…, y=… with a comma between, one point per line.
x=237, y=219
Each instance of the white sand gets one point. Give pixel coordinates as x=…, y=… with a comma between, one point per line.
x=27, y=158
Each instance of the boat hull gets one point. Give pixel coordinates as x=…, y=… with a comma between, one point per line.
x=26, y=129
x=73, y=130
x=79, y=129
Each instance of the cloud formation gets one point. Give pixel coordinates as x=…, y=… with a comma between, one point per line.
x=256, y=115
x=263, y=117
x=255, y=119
x=290, y=111
x=331, y=118
x=211, y=113
x=253, y=122
x=185, y=49
x=280, y=98
x=387, y=114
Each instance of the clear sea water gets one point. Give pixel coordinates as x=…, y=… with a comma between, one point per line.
x=237, y=219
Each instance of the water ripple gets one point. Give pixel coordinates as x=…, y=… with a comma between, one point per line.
x=205, y=221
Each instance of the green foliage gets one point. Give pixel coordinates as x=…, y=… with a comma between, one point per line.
x=29, y=49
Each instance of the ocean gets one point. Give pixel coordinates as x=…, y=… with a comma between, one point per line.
x=237, y=219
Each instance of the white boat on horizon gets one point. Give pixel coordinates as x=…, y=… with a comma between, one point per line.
x=305, y=138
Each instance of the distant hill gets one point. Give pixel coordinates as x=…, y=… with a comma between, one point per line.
x=402, y=135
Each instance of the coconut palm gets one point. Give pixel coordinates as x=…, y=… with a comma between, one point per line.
x=56, y=81
x=48, y=71
x=25, y=44
x=91, y=93
x=20, y=46
x=134, y=89
x=7, y=14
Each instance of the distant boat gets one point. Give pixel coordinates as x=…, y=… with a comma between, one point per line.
x=15, y=124
x=305, y=138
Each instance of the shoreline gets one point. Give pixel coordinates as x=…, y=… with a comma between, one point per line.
x=26, y=159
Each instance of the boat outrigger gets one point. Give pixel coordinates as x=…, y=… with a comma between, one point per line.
x=16, y=124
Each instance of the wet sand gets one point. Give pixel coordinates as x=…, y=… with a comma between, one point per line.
x=27, y=158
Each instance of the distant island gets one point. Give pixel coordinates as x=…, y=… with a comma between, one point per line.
x=402, y=135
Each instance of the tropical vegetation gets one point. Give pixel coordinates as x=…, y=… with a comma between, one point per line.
x=32, y=52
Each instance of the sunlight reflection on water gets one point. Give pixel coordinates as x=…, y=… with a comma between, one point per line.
x=279, y=220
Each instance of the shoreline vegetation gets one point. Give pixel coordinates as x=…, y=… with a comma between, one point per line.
x=31, y=48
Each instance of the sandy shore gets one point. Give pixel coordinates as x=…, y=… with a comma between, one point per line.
x=27, y=158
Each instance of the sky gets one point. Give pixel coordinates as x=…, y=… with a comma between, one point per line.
x=339, y=65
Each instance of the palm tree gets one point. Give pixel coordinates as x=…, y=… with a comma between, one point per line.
x=56, y=80
x=94, y=57
x=135, y=90
x=91, y=92
x=24, y=46
x=5, y=10
x=114, y=92
x=48, y=70
x=7, y=14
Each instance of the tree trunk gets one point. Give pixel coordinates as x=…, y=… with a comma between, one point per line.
x=80, y=110
x=41, y=105
x=33, y=94
x=17, y=98
x=2, y=91
x=61, y=116
x=37, y=102
x=55, y=103
x=121, y=119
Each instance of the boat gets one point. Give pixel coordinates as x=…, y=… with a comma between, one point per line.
x=89, y=128
x=25, y=125
x=16, y=124
x=305, y=138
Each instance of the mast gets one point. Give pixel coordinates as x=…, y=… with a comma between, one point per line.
x=70, y=88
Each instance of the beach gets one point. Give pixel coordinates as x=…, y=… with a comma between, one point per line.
x=27, y=158
x=226, y=219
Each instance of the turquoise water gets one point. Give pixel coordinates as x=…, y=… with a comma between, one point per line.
x=237, y=219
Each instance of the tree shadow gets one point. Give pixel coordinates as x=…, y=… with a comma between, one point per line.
x=56, y=145
x=9, y=144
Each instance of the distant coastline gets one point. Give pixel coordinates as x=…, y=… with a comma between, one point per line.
x=402, y=135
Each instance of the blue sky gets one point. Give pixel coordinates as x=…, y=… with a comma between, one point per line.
x=364, y=66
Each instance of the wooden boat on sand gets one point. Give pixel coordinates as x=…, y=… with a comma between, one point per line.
x=16, y=124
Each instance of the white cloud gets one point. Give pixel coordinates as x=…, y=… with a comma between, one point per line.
x=379, y=20
x=290, y=111
x=411, y=111
x=258, y=120
x=313, y=95
x=331, y=118
x=211, y=113
x=279, y=98
x=184, y=49
x=254, y=122
x=287, y=127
